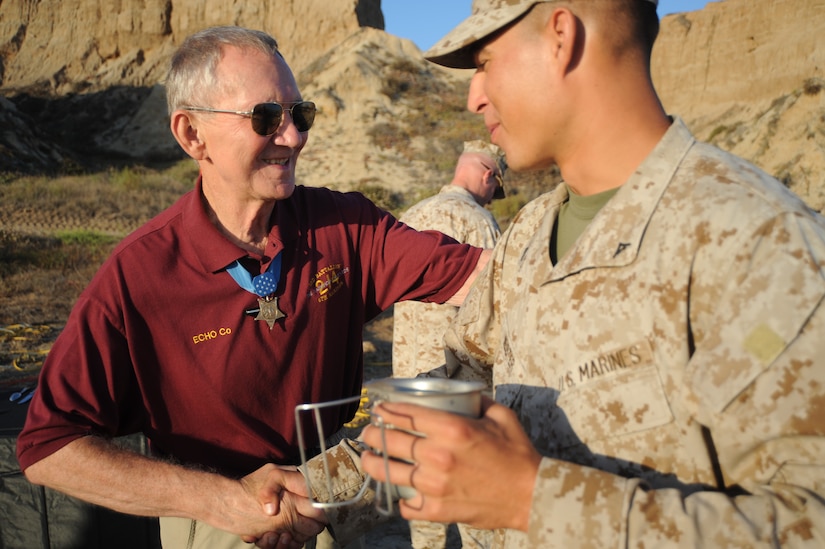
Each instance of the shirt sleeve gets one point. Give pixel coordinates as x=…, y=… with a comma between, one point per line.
x=405, y=264
x=336, y=479
x=473, y=336
x=86, y=386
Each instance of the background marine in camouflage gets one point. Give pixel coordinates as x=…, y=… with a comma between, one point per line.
x=418, y=328
x=457, y=211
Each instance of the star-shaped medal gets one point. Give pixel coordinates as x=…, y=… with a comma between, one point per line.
x=268, y=310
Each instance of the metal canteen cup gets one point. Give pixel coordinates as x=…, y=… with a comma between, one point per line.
x=448, y=395
x=460, y=397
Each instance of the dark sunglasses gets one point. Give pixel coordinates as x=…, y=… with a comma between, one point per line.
x=498, y=193
x=267, y=117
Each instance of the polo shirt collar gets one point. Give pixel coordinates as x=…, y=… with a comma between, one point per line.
x=213, y=249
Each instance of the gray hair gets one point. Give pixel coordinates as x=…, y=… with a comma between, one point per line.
x=191, y=75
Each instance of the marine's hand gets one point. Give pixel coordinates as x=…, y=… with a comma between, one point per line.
x=479, y=472
x=274, y=510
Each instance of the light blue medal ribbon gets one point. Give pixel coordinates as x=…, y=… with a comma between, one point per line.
x=264, y=286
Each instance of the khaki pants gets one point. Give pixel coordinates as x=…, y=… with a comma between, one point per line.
x=179, y=533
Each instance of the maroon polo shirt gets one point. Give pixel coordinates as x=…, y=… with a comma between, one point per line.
x=159, y=342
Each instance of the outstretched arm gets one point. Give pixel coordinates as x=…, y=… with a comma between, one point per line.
x=269, y=500
x=458, y=298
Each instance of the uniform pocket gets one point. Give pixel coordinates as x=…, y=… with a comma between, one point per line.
x=627, y=402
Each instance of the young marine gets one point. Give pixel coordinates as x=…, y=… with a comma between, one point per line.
x=653, y=328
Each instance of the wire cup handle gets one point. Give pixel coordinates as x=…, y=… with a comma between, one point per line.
x=457, y=396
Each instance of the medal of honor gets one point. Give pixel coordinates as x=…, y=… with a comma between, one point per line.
x=264, y=286
x=268, y=310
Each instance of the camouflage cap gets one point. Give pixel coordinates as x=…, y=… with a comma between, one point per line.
x=488, y=16
x=493, y=151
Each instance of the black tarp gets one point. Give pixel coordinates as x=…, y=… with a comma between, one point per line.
x=32, y=517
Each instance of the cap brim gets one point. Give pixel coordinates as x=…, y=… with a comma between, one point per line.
x=456, y=49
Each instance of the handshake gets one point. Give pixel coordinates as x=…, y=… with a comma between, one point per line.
x=438, y=461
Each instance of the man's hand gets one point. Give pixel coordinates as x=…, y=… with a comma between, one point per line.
x=275, y=510
x=268, y=502
x=458, y=298
x=479, y=472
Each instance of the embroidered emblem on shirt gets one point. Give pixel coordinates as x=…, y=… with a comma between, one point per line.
x=327, y=282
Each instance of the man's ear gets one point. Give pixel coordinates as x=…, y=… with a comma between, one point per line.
x=567, y=35
x=187, y=135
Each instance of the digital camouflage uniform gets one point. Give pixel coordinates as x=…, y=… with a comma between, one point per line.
x=418, y=328
x=670, y=366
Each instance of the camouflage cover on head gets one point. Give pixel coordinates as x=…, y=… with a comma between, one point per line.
x=488, y=16
x=493, y=151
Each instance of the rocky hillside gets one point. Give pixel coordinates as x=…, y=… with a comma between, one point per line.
x=749, y=76
x=59, y=47
x=81, y=85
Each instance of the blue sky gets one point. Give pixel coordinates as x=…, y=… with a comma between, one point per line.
x=426, y=21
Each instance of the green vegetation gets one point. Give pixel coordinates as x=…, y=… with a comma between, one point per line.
x=505, y=210
x=405, y=77
x=116, y=200
x=718, y=131
x=56, y=231
x=382, y=197
x=391, y=136
x=68, y=251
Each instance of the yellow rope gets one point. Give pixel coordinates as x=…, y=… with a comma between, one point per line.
x=25, y=335
x=362, y=417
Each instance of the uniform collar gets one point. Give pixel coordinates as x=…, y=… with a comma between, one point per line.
x=456, y=190
x=615, y=235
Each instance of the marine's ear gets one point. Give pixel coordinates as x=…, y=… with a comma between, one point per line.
x=566, y=34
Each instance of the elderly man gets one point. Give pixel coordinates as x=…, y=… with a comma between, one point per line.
x=653, y=328
x=208, y=325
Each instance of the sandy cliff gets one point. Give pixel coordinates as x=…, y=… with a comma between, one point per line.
x=73, y=46
x=83, y=79
x=749, y=75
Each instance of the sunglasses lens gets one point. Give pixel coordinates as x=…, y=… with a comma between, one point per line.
x=303, y=115
x=498, y=193
x=266, y=117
